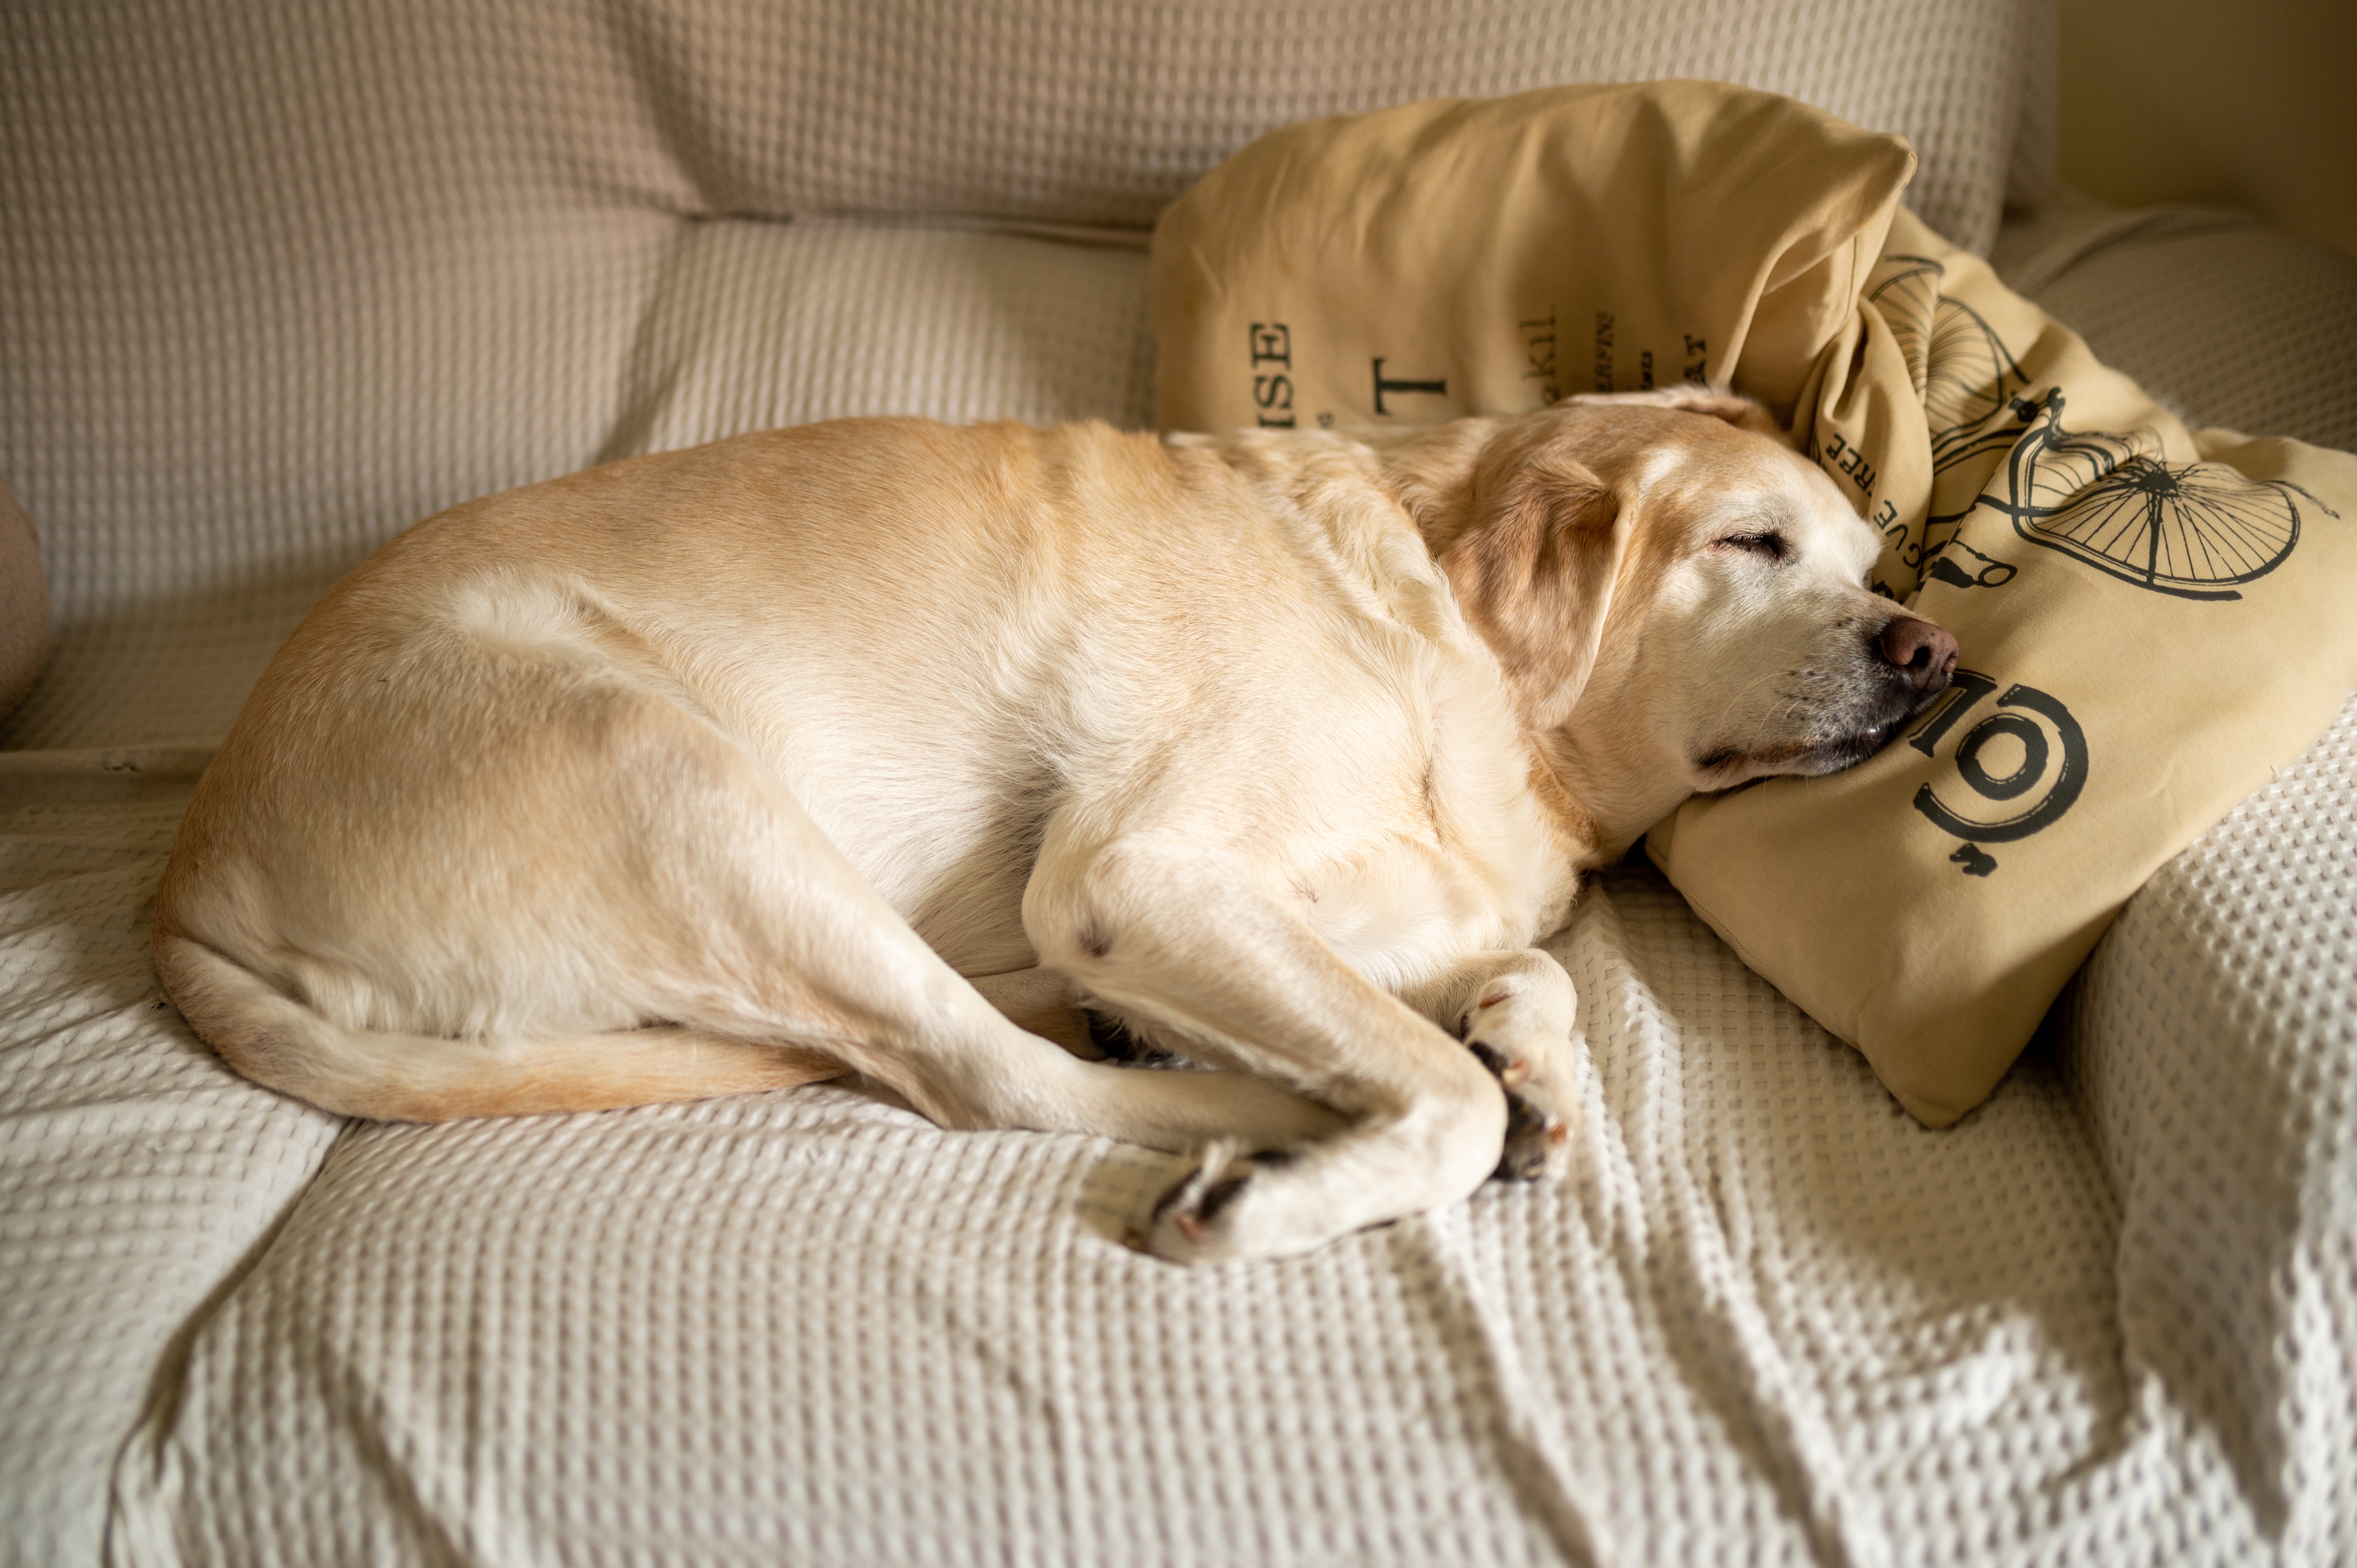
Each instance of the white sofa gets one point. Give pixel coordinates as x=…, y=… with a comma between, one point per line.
x=278, y=278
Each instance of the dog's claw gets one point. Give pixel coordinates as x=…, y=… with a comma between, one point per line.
x=1529, y=1137
x=1534, y=1141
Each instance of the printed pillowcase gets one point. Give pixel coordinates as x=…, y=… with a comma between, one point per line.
x=2152, y=620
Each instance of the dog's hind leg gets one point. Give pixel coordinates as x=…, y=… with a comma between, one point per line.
x=779, y=938
x=1184, y=938
x=586, y=896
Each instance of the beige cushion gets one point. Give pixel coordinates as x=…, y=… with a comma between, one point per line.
x=1494, y=255
x=2220, y=318
x=2153, y=622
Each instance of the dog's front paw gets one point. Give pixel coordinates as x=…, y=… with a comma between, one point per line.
x=1541, y=1110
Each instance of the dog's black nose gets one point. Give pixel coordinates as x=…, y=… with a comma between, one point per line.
x=1922, y=652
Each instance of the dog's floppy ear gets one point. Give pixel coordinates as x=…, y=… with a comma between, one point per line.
x=1742, y=412
x=1535, y=576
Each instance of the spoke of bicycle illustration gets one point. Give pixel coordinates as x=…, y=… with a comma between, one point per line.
x=2190, y=529
x=1907, y=299
x=1965, y=375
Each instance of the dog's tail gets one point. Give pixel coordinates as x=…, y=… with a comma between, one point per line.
x=287, y=1046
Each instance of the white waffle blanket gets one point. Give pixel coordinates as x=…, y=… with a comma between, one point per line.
x=1769, y=1318
x=280, y=279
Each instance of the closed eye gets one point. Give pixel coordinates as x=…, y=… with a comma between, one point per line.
x=1768, y=544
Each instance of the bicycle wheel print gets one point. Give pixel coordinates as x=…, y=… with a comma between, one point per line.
x=2188, y=530
x=1963, y=371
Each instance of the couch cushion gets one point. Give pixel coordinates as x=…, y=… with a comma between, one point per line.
x=731, y=325
x=2214, y=1048
x=2225, y=320
x=1106, y=111
x=136, y=1173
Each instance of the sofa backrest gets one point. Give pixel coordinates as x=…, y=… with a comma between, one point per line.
x=1087, y=111
x=1102, y=112
x=278, y=276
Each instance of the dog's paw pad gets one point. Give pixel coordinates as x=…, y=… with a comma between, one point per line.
x=1537, y=1142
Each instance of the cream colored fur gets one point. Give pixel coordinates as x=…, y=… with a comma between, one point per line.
x=877, y=746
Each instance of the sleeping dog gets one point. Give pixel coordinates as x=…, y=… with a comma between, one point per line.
x=883, y=745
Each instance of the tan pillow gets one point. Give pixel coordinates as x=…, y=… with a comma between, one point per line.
x=2151, y=621
x=1485, y=255
x=24, y=604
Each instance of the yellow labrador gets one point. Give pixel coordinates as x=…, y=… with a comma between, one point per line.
x=881, y=745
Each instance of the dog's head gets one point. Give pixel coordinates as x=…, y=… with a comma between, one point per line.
x=1662, y=577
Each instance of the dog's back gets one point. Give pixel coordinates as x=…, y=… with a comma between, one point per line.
x=465, y=800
